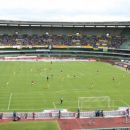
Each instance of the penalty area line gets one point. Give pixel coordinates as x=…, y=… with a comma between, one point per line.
x=54, y=105
x=124, y=102
x=9, y=101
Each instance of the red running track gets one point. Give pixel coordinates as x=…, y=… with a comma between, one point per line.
x=72, y=124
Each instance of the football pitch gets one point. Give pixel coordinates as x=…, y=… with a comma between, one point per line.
x=49, y=125
x=35, y=86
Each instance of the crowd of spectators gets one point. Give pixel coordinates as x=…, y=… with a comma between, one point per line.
x=69, y=40
x=99, y=113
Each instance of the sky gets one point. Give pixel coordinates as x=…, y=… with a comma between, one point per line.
x=65, y=10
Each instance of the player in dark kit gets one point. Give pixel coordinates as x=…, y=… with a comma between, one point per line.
x=32, y=82
x=61, y=100
x=113, y=78
x=47, y=78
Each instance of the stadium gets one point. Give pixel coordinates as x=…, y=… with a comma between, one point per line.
x=64, y=75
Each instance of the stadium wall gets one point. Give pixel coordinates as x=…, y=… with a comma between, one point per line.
x=60, y=114
x=79, y=53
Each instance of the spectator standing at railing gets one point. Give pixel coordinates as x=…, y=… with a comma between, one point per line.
x=97, y=113
x=14, y=116
x=33, y=115
x=59, y=114
x=78, y=113
x=127, y=111
x=101, y=113
x=26, y=115
x=1, y=116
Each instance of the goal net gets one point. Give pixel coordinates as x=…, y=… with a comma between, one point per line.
x=93, y=103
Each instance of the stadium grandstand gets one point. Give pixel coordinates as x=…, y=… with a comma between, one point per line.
x=65, y=34
x=97, y=37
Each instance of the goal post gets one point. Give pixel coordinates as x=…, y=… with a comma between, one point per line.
x=92, y=103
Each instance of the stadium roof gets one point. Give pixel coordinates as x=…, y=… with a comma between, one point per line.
x=64, y=24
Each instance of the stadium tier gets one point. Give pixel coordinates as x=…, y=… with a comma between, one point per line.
x=87, y=35
x=90, y=41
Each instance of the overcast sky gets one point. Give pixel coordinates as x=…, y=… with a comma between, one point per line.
x=65, y=10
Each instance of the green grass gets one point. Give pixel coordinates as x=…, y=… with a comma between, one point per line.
x=69, y=80
x=29, y=126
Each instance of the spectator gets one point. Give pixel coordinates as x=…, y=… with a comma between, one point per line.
x=1, y=116
x=59, y=114
x=97, y=113
x=127, y=111
x=14, y=116
x=33, y=115
x=26, y=115
x=101, y=113
x=78, y=113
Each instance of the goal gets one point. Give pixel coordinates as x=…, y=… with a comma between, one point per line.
x=93, y=103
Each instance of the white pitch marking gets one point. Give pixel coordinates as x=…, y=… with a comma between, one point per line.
x=9, y=100
x=54, y=105
x=125, y=102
